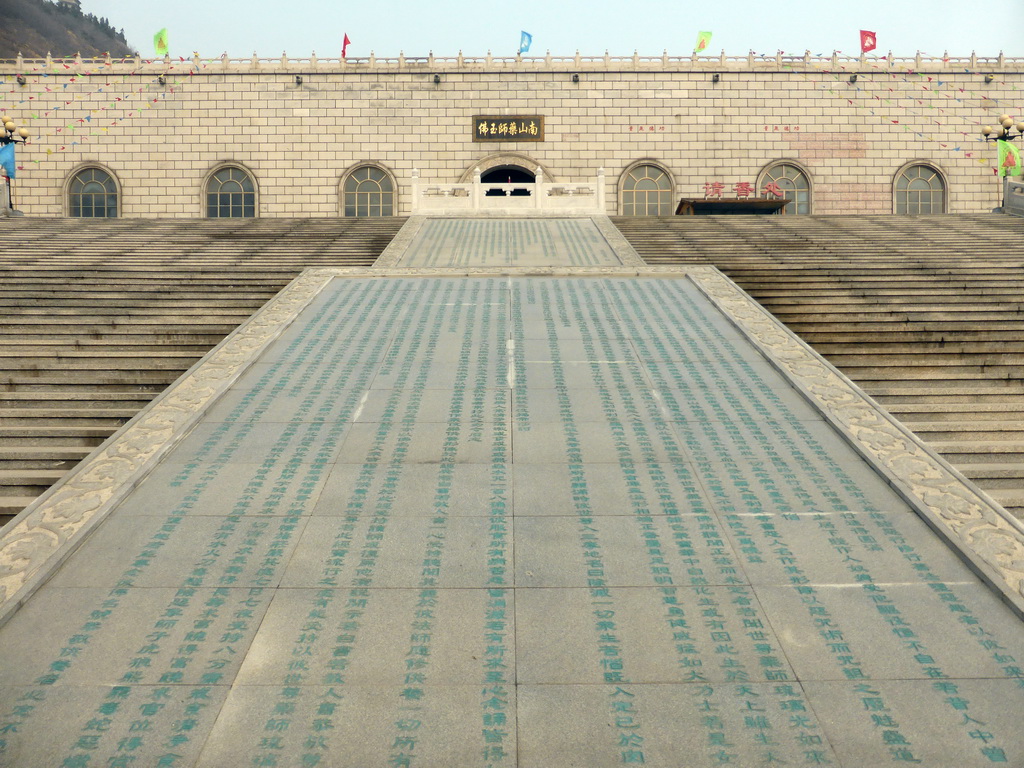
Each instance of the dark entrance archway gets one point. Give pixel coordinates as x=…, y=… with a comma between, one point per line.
x=507, y=174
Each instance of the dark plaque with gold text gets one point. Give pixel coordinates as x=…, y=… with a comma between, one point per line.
x=508, y=128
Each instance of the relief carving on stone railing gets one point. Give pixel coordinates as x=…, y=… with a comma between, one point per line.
x=980, y=524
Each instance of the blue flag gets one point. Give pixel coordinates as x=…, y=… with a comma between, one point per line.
x=525, y=40
x=7, y=159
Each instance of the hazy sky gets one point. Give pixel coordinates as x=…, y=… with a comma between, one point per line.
x=301, y=27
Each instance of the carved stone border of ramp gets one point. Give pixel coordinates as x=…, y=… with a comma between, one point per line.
x=50, y=529
x=989, y=536
x=618, y=242
x=396, y=249
x=47, y=532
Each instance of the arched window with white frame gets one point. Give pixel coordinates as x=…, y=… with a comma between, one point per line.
x=787, y=180
x=918, y=189
x=230, y=194
x=368, y=190
x=92, y=193
x=646, y=190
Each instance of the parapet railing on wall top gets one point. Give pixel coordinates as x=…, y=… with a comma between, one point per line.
x=752, y=61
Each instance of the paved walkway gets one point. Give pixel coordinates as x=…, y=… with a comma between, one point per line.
x=506, y=520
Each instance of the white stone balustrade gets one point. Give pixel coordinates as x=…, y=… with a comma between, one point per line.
x=541, y=196
x=1013, y=197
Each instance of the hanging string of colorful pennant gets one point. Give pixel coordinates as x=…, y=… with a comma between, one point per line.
x=128, y=103
x=902, y=103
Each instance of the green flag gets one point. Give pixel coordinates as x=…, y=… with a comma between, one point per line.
x=1009, y=159
x=160, y=42
x=703, y=38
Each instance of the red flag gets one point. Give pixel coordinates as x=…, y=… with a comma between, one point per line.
x=867, y=41
x=344, y=46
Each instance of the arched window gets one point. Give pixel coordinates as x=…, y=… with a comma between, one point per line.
x=92, y=194
x=646, y=191
x=919, y=189
x=792, y=182
x=369, y=191
x=230, y=193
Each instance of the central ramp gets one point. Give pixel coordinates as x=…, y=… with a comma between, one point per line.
x=509, y=243
x=542, y=521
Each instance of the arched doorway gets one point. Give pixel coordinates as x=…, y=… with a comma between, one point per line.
x=507, y=174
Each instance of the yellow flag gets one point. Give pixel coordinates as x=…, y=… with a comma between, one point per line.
x=160, y=42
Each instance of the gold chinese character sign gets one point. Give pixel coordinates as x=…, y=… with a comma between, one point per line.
x=505, y=128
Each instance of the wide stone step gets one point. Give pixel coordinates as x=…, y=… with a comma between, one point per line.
x=842, y=303
x=130, y=302
x=957, y=412
x=42, y=457
x=86, y=377
x=925, y=358
x=1010, y=499
x=979, y=452
x=895, y=402
x=818, y=291
x=912, y=350
x=119, y=315
x=65, y=411
x=70, y=346
x=28, y=482
x=112, y=420
x=45, y=388
x=938, y=329
x=72, y=400
x=994, y=470
x=838, y=340
x=1012, y=375
x=188, y=331
x=874, y=314
x=80, y=361
x=131, y=288
x=979, y=429
x=11, y=505
x=969, y=388
x=54, y=434
x=1005, y=476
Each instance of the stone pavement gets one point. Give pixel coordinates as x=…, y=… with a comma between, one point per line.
x=590, y=516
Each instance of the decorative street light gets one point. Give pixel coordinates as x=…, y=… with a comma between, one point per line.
x=1002, y=133
x=1009, y=156
x=9, y=136
x=12, y=134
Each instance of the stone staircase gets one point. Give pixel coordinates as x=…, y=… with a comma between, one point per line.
x=98, y=317
x=925, y=313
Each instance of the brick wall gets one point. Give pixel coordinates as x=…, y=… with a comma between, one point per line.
x=162, y=141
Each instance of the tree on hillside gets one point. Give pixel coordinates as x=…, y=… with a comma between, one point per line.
x=34, y=28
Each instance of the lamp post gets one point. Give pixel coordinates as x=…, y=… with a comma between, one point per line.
x=1005, y=133
x=1002, y=133
x=9, y=136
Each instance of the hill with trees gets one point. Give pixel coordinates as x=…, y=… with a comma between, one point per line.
x=34, y=28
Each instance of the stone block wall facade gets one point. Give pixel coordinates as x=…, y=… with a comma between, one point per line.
x=161, y=128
